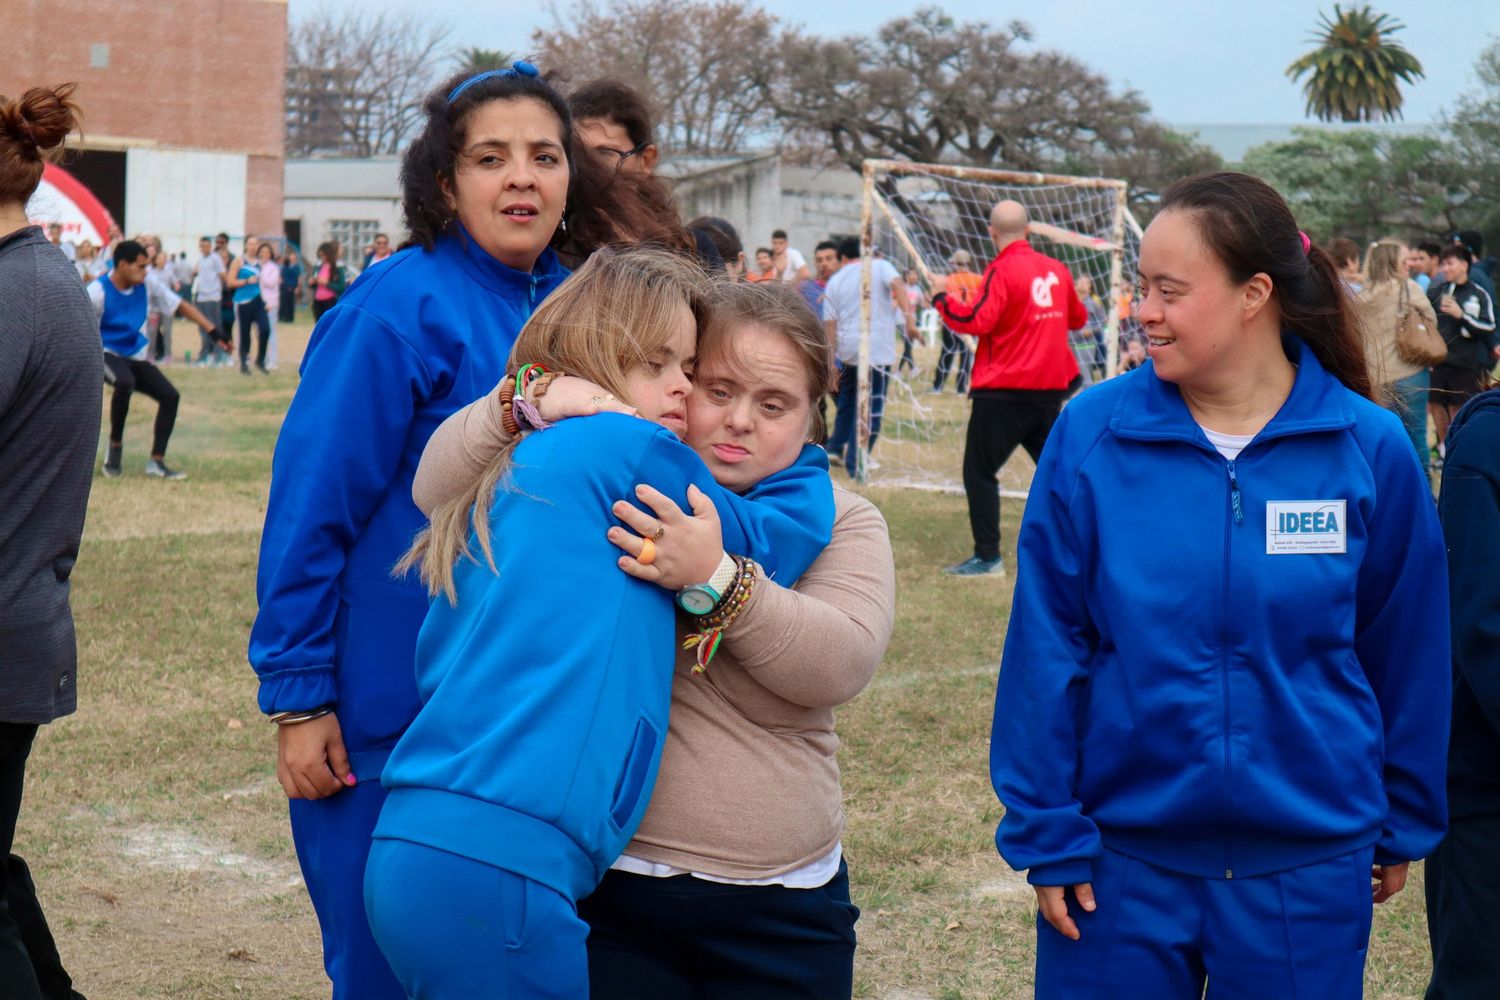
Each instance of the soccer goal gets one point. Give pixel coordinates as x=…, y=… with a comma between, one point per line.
x=919, y=216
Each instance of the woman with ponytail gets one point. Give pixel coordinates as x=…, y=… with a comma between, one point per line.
x=1222, y=709
x=51, y=367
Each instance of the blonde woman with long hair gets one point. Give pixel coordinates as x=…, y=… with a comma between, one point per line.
x=1379, y=305
x=544, y=672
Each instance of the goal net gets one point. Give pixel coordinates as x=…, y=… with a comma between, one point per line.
x=922, y=217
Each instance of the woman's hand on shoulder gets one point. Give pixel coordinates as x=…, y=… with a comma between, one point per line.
x=571, y=396
x=687, y=548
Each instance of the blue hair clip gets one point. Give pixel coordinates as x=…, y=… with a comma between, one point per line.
x=518, y=68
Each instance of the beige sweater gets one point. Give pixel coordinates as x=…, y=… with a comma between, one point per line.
x=1377, y=308
x=749, y=781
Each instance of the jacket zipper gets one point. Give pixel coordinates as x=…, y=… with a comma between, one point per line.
x=531, y=298
x=1239, y=517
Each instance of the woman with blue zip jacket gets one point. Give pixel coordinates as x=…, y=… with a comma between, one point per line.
x=489, y=184
x=1222, y=706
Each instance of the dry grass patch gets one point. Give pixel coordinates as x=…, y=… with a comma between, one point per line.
x=158, y=834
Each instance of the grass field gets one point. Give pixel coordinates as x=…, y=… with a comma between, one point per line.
x=158, y=834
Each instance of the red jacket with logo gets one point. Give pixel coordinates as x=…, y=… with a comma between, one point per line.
x=1021, y=313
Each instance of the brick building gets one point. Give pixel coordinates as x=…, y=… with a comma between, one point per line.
x=183, y=105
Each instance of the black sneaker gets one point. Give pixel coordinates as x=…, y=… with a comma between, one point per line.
x=244, y=368
x=112, y=462
x=260, y=367
x=156, y=467
x=113, y=471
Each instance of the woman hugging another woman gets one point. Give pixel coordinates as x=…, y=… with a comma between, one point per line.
x=733, y=882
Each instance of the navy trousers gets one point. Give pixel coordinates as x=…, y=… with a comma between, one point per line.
x=845, y=439
x=333, y=842
x=458, y=929
x=1463, y=911
x=684, y=938
x=1160, y=935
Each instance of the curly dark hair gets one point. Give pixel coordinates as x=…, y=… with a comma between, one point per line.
x=604, y=206
x=616, y=102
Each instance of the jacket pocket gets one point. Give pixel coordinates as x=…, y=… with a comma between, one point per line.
x=633, y=774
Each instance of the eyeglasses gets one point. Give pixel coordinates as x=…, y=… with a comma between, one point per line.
x=621, y=155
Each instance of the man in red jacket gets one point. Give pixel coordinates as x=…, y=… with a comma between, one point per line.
x=1023, y=370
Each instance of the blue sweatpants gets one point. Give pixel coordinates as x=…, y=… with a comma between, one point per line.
x=457, y=929
x=333, y=840
x=1159, y=935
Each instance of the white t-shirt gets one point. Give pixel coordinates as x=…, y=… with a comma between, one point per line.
x=841, y=302
x=1228, y=445
x=815, y=874
x=794, y=263
x=159, y=299
x=210, y=272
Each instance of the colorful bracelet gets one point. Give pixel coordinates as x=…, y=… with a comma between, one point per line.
x=710, y=632
x=507, y=408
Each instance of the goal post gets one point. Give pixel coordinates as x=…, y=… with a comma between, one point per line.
x=919, y=216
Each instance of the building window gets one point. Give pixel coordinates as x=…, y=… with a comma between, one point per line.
x=352, y=236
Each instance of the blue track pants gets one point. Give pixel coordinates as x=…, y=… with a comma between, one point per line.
x=1159, y=935
x=457, y=929
x=333, y=840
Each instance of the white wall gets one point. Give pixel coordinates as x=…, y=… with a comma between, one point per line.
x=179, y=195
x=316, y=213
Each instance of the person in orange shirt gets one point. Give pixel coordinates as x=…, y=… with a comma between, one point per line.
x=765, y=267
x=961, y=285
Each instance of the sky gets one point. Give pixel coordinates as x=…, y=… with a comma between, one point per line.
x=1195, y=61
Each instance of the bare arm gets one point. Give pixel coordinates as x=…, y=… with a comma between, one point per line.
x=187, y=310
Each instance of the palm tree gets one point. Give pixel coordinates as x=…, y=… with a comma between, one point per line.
x=1356, y=67
x=476, y=60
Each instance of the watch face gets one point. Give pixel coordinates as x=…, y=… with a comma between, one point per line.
x=697, y=600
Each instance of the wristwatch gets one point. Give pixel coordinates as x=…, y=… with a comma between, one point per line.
x=701, y=598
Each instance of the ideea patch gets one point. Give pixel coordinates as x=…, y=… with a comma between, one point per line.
x=1299, y=527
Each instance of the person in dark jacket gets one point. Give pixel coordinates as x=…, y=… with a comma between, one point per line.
x=1463, y=896
x=50, y=370
x=1466, y=321
x=1202, y=788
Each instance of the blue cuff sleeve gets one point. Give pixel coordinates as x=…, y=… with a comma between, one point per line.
x=1061, y=873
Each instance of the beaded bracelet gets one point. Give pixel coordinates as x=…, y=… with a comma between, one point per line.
x=711, y=631
x=524, y=406
x=507, y=408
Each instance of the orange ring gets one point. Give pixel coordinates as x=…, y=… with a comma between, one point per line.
x=648, y=552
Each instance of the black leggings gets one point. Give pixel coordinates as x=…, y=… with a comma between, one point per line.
x=253, y=311
x=954, y=351
x=127, y=376
x=321, y=306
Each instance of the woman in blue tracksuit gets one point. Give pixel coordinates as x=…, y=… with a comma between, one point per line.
x=1222, y=707
x=489, y=184
x=545, y=673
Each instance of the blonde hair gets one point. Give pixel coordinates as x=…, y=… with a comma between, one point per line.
x=612, y=314
x=1385, y=261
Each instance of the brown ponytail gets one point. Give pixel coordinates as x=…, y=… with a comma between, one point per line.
x=32, y=131
x=1249, y=227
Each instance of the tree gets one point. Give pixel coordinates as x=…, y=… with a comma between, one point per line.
x=477, y=60
x=703, y=63
x=929, y=89
x=356, y=80
x=1475, y=129
x=1356, y=70
x=1362, y=184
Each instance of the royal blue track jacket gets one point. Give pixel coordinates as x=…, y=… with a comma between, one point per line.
x=545, y=689
x=1223, y=668
x=415, y=338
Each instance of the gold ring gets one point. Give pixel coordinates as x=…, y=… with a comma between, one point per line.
x=661, y=529
x=648, y=552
